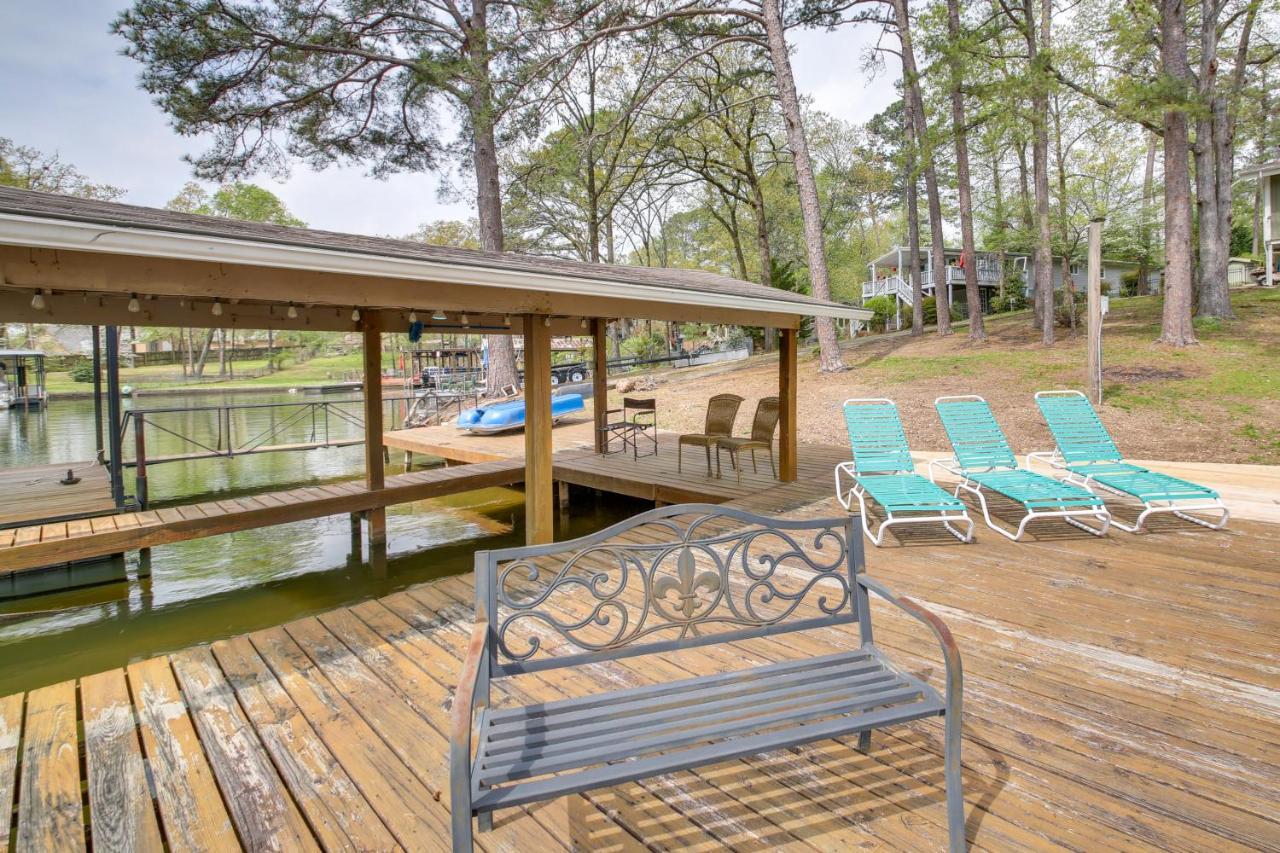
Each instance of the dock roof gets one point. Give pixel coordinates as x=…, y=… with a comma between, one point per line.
x=182, y=254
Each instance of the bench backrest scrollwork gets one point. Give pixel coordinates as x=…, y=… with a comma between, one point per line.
x=676, y=577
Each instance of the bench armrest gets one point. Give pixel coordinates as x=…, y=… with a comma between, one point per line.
x=950, y=651
x=464, y=697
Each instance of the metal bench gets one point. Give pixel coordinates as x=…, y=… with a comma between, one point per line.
x=676, y=578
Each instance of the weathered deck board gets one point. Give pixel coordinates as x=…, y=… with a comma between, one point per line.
x=260, y=805
x=49, y=801
x=10, y=737
x=120, y=808
x=190, y=803
x=1120, y=694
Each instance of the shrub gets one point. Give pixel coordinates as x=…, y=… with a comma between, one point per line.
x=883, y=309
x=82, y=371
x=1014, y=299
x=645, y=346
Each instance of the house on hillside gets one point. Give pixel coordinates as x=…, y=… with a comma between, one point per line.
x=888, y=276
x=1268, y=174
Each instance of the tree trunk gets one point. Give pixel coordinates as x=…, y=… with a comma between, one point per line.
x=198, y=370
x=1064, y=222
x=1001, y=227
x=965, y=192
x=1148, y=211
x=913, y=224
x=501, y=370
x=763, y=249
x=1176, y=328
x=911, y=81
x=810, y=209
x=1040, y=166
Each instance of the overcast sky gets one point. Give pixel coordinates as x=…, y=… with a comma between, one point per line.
x=66, y=88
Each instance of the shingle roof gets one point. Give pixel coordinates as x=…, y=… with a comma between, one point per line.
x=46, y=206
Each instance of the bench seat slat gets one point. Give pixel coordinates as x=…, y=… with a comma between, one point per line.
x=739, y=747
x=669, y=726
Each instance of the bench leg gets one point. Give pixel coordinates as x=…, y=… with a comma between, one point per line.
x=460, y=807
x=485, y=822
x=864, y=741
x=951, y=773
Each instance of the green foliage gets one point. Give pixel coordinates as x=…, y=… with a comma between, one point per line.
x=249, y=202
x=1014, y=299
x=784, y=277
x=644, y=345
x=1241, y=239
x=30, y=169
x=884, y=310
x=82, y=371
x=460, y=234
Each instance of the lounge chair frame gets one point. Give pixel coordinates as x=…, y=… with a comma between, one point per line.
x=1109, y=461
x=850, y=488
x=1070, y=510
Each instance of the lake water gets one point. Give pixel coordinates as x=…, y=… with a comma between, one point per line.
x=211, y=588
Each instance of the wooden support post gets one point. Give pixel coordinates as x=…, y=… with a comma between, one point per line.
x=374, y=472
x=562, y=495
x=787, y=408
x=600, y=377
x=1094, y=311
x=140, y=458
x=538, y=497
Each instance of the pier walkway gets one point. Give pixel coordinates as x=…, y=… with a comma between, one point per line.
x=1120, y=693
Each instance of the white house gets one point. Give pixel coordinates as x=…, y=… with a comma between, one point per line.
x=1269, y=175
x=888, y=275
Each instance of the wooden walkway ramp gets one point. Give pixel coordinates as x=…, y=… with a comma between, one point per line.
x=1120, y=694
x=45, y=544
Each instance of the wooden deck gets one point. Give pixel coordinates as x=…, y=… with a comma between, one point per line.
x=1120, y=693
x=35, y=493
x=448, y=442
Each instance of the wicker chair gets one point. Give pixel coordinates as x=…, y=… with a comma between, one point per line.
x=763, y=426
x=722, y=410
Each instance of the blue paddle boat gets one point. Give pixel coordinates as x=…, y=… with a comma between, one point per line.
x=501, y=417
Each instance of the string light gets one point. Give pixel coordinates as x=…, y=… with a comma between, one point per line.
x=216, y=310
x=37, y=301
x=506, y=319
x=546, y=321
x=355, y=315
x=413, y=316
x=439, y=315
x=582, y=323
x=463, y=319
x=134, y=307
x=292, y=313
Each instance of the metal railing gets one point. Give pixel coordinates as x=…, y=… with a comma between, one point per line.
x=315, y=418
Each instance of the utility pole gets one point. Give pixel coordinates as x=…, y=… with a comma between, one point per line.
x=1095, y=310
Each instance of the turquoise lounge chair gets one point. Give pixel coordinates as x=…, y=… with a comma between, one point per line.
x=882, y=468
x=1090, y=458
x=984, y=461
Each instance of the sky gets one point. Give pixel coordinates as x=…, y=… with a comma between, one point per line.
x=67, y=89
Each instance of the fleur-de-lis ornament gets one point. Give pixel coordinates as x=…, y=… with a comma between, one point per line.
x=686, y=588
